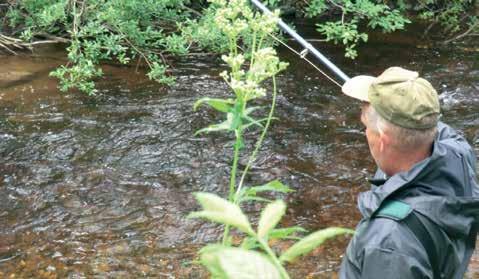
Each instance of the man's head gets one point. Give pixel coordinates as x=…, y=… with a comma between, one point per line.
x=400, y=113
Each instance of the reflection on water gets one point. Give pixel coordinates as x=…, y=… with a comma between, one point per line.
x=101, y=186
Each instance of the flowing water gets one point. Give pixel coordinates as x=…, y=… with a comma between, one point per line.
x=99, y=187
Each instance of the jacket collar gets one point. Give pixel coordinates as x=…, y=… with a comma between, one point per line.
x=384, y=187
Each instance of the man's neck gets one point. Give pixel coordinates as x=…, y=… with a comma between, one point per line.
x=403, y=161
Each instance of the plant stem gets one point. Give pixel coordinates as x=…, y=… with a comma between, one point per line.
x=261, y=39
x=274, y=258
x=253, y=50
x=226, y=233
x=234, y=168
x=258, y=143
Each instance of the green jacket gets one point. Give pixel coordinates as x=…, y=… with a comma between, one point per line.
x=443, y=192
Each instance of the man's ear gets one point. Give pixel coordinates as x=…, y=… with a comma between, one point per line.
x=384, y=141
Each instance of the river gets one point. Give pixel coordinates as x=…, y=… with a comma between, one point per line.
x=99, y=187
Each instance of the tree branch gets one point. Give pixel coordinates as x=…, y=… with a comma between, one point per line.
x=460, y=36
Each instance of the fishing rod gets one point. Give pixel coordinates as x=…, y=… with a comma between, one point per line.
x=308, y=47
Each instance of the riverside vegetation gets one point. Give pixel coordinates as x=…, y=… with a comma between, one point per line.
x=151, y=32
x=249, y=69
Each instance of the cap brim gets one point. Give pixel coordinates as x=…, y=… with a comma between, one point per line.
x=358, y=87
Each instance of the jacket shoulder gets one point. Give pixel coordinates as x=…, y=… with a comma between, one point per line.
x=393, y=209
x=391, y=239
x=455, y=141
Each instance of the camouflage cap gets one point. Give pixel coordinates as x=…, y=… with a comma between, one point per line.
x=398, y=95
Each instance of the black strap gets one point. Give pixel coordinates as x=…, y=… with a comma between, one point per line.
x=470, y=245
x=471, y=239
x=420, y=231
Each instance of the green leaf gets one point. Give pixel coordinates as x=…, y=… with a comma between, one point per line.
x=311, y=241
x=260, y=199
x=251, y=121
x=229, y=262
x=249, y=243
x=221, y=211
x=273, y=186
x=214, y=128
x=223, y=105
x=270, y=217
x=285, y=233
x=225, y=125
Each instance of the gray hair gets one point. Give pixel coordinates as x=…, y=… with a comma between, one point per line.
x=403, y=138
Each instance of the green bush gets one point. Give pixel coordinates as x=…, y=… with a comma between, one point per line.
x=347, y=22
x=453, y=16
x=106, y=30
x=148, y=30
x=351, y=14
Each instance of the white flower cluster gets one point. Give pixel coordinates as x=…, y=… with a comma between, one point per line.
x=236, y=19
x=234, y=61
x=248, y=89
x=236, y=16
x=265, y=23
x=266, y=64
x=232, y=16
x=247, y=85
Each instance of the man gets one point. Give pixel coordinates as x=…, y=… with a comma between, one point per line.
x=419, y=218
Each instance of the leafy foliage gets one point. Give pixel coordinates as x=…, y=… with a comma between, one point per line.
x=219, y=210
x=270, y=217
x=204, y=32
x=347, y=22
x=229, y=262
x=453, y=16
x=255, y=258
x=310, y=242
x=250, y=193
x=106, y=30
x=147, y=31
x=346, y=30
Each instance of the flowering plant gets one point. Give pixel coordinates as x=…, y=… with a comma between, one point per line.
x=248, y=72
